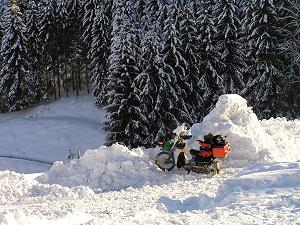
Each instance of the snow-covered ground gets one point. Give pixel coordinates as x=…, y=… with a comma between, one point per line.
x=48, y=131
x=259, y=182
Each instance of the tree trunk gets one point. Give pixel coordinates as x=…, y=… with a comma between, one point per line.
x=87, y=78
x=55, y=96
x=54, y=78
x=73, y=79
x=77, y=80
x=66, y=79
x=79, y=77
x=58, y=79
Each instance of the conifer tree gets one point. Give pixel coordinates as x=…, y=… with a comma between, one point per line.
x=188, y=38
x=49, y=36
x=87, y=23
x=99, y=53
x=289, y=18
x=1, y=27
x=126, y=123
x=140, y=6
x=268, y=87
x=210, y=82
x=151, y=12
x=246, y=14
x=147, y=86
x=172, y=95
x=74, y=17
x=34, y=53
x=16, y=82
x=289, y=13
x=229, y=45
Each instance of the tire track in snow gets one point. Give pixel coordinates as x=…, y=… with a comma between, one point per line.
x=25, y=158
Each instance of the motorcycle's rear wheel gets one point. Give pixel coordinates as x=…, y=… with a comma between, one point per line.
x=164, y=161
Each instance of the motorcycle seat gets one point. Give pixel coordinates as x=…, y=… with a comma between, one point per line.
x=194, y=152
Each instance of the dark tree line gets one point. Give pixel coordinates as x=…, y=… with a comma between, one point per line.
x=152, y=64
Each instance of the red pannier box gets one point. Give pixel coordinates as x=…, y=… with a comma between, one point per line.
x=221, y=151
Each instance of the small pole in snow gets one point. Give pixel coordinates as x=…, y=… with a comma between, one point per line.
x=70, y=154
x=78, y=154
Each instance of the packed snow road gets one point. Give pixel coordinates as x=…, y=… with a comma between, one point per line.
x=175, y=199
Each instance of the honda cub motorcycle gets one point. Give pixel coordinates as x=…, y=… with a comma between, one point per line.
x=203, y=160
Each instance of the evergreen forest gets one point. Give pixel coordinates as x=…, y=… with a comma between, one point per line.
x=151, y=64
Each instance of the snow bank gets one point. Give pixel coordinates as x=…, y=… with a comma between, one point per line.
x=17, y=181
x=17, y=217
x=252, y=140
x=15, y=188
x=108, y=168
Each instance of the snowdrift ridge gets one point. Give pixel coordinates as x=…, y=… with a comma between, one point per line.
x=253, y=141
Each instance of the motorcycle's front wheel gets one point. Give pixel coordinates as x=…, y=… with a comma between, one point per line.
x=165, y=161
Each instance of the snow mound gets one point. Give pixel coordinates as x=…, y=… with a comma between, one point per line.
x=17, y=181
x=252, y=140
x=108, y=168
x=17, y=217
x=25, y=189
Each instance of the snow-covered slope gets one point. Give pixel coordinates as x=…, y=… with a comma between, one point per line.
x=22, y=166
x=47, y=132
x=259, y=183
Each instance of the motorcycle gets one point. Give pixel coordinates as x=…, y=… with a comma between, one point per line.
x=203, y=160
x=167, y=159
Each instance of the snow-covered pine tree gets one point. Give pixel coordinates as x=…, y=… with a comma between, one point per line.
x=64, y=45
x=99, y=53
x=289, y=18
x=188, y=38
x=49, y=36
x=74, y=17
x=289, y=13
x=161, y=16
x=210, y=82
x=247, y=10
x=140, y=6
x=73, y=33
x=146, y=85
x=2, y=7
x=126, y=123
x=1, y=27
x=16, y=82
x=87, y=23
x=267, y=91
x=171, y=101
x=34, y=53
x=150, y=19
x=229, y=45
